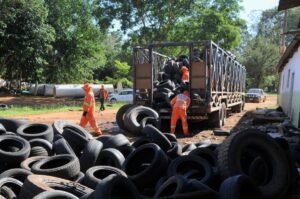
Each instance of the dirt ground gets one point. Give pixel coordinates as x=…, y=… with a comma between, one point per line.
x=106, y=120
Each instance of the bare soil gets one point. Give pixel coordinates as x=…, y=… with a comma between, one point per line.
x=106, y=119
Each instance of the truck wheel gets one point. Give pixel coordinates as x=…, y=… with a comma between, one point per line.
x=224, y=114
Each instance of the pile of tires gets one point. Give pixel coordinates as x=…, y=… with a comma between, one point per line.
x=63, y=161
x=169, y=83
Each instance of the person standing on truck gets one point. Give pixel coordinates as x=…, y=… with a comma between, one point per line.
x=185, y=74
x=179, y=104
x=89, y=109
x=103, y=95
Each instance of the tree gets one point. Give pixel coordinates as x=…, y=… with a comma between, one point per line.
x=121, y=74
x=260, y=58
x=25, y=39
x=78, y=48
x=168, y=20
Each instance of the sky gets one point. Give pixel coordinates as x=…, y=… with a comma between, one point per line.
x=256, y=5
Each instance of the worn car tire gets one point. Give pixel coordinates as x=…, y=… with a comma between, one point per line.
x=233, y=149
x=157, y=137
x=98, y=173
x=36, y=184
x=150, y=120
x=59, y=125
x=76, y=140
x=239, y=187
x=2, y=129
x=61, y=146
x=135, y=116
x=171, y=187
x=7, y=193
x=111, y=157
x=184, y=164
x=36, y=130
x=46, y=145
x=90, y=154
x=12, y=183
x=12, y=124
x=115, y=186
x=188, y=147
x=13, y=157
x=206, y=154
x=120, y=116
x=171, y=137
x=19, y=174
x=146, y=164
x=55, y=195
x=116, y=141
x=175, y=151
x=27, y=163
x=64, y=166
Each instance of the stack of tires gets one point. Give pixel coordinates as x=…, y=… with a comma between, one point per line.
x=63, y=161
x=169, y=82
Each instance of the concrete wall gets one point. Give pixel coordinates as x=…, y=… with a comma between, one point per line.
x=289, y=99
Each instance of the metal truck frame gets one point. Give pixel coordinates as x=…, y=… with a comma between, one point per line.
x=217, y=80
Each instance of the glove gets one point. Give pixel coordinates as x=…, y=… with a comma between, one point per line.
x=84, y=113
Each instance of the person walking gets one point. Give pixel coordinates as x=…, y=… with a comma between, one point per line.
x=103, y=95
x=88, y=115
x=179, y=104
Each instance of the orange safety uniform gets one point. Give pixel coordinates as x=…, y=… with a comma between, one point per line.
x=185, y=74
x=89, y=109
x=179, y=106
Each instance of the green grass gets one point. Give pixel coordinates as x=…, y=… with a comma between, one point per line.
x=40, y=109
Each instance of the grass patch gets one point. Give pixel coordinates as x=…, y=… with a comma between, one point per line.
x=41, y=109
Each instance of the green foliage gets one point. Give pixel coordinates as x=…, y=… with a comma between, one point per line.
x=120, y=75
x=25, y=39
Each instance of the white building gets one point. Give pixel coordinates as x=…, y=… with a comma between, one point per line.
x=289, y=90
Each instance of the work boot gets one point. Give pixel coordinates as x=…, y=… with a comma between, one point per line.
x=98, y=131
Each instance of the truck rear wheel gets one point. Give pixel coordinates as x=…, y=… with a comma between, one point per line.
x=217, y=118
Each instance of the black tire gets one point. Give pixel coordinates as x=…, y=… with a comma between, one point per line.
x=7, y=193
x=90, y=154
x=36, y=184
x=120, y=116
x=55, y=195
x=2, y=129
x=183, y=164
x=13, y=184
x=171, y=137
x=12, y=124
x=175, y=151
x=98, y=173
x=59, y=125
x=61, y=146
x=76, y=140
x=116, y=141
x=188, y=147
x=116, y=186
x=64, y=166
x=157, y=137
x=36, y=130
x=145, y=165
x=217, y=118
x=150, y=120
x=234, y=149
x=126, y=150
x=103, y=138
x=19, y=174
x=38, y=151
x=140, y=141
x=44, y=144
x=27, y=164
x=239, y=187
x=206, y=154
x=173, y=186
x=79, y=178
x=135, y=116
x=13, y=157
x=111, y=157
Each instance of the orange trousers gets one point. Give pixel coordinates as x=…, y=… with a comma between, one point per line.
x=179, y=114
x=90, y=118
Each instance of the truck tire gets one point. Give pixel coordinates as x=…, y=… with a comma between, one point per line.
x=234, y=149
x=217, y=118
x=120, y=116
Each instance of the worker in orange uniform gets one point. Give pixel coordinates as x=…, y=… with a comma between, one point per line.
x=179, y=104
x=89, y=109
x=103, y=95
x=185, y=74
